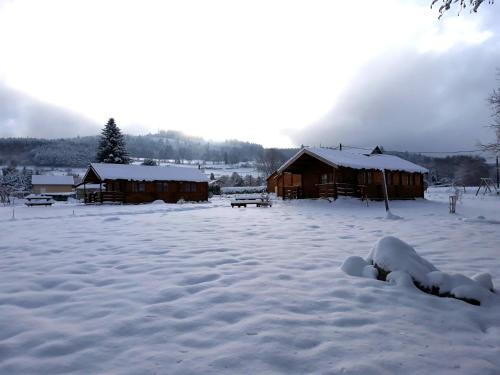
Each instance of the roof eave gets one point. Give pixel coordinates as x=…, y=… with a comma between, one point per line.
x=301, y=152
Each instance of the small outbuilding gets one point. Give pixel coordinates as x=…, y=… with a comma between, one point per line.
x=128, y=183
x=315, y=172
x=57, y=187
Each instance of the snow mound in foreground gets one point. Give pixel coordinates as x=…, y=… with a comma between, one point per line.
x=392, y=254
x=395, y=261
x=158, y=201
x=391, y=216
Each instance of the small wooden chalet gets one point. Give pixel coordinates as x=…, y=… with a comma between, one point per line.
x=129, y=183
x=45, y=184
x=60, y=188
x=324, y=172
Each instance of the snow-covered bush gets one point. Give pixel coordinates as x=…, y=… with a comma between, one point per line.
x=243, y=189
x=395, y=261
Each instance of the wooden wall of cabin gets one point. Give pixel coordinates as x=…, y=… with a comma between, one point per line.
x=271, y=183
x=168, y=191
x=42, y=189
x=311, y=177
x=286, y=179
x=400, y=185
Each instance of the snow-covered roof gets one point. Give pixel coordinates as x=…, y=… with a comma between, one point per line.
x=147, y=173
x=89, y=186
x=337, y=158
x=51, y=180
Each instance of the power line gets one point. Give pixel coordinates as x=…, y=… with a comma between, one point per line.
x=416, y=152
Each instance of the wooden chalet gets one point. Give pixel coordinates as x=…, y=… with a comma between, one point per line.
x=324, y=172
x=45, y=184
x=127, y=183
x=60, y=188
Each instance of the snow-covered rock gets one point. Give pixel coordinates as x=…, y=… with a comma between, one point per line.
x=392, y=254
x=395, y=261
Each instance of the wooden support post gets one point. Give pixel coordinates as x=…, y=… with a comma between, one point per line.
x=100, y=190
x=498, y=177
x=386, y=195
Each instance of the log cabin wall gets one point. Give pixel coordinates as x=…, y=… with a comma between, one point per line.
x=311, y=177
x=400, y=185
x=149, y=191
x=271, y=183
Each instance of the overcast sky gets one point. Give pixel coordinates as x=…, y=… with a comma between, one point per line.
x=280, y=73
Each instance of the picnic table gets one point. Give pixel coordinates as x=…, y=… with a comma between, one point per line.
x=38, y=200
x=259, y=201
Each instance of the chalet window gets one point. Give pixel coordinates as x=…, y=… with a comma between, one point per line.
x=396, y=178
x=162, y=187
x=138, y=187
x=368, y=178
x=326, y=178
x=411, y=179
x=188, y=187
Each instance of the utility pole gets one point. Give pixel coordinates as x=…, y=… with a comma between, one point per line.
x=498, y=176
x=386, y=195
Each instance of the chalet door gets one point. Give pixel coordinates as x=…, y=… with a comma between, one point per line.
x=310, y=185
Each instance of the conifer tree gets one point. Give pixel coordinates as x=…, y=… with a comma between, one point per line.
x=111, y=147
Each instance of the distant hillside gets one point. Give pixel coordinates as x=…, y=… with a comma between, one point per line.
x=80, y=151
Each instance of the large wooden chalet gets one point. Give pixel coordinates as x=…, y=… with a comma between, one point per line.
x=140, y=183
x=324, y=172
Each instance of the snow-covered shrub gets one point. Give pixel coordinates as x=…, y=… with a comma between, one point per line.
x=243, y=189
x=395, y=261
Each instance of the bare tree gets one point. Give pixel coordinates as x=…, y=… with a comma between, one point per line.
x=270, y=161
x=446, y=5
x=494, y=100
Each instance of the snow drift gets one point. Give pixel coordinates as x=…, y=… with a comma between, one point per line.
x=395, y=261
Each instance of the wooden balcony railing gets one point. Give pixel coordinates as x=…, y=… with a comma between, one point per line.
x=328, y=190
x=104, y=197
x=292, y=192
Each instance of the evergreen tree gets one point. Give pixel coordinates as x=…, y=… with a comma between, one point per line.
x=111, y=147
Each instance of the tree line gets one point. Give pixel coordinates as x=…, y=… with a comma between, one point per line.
x=80, y=151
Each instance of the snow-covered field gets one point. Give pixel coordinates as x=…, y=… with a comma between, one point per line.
x=206, y=289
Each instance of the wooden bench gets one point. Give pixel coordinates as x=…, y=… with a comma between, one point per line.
x=259, y=201
x=244, y=203
x=38, y=200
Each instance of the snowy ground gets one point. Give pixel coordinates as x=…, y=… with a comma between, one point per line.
x=206, y=289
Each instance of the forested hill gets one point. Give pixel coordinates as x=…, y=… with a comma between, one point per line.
x=173, y=145
x=79, y=152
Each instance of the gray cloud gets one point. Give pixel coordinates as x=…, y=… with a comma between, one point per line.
x=413, y=101
x=23, y=116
